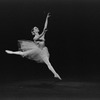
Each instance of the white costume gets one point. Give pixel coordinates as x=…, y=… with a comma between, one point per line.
x=34, y=51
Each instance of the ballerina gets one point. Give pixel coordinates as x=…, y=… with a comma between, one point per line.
x=36, y=49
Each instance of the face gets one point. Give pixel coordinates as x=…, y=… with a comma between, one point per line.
x=36, y=30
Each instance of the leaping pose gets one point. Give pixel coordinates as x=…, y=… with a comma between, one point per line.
x=36, y=49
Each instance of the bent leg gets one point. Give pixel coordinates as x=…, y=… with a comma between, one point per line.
x=46, y=60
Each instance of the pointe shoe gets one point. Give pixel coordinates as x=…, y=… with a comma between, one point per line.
x=57, y=76
x=8, y=51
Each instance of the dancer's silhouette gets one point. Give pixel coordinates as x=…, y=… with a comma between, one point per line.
x=36, y=49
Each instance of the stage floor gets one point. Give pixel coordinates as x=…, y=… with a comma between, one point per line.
x=50, y=90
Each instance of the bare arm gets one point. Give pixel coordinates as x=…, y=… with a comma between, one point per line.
x=46, y=22
x=45, y=25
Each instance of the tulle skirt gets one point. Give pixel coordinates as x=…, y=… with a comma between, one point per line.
x=33, y=51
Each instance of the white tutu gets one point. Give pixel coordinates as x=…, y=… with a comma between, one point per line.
x=32, y=50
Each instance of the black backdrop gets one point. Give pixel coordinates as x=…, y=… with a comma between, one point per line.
x=73, y=38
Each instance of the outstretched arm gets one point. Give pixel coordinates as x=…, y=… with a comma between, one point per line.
x=46, y=22
x=45, y=25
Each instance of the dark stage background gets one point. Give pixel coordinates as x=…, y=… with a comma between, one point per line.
x=73, y=39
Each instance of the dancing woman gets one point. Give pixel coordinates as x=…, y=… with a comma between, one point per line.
x=36, y=49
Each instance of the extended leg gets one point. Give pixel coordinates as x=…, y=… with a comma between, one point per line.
x=14, y=52
x=46, y=60
x=24, y=53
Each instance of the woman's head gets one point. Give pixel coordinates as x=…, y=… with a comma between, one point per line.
x=34, y=30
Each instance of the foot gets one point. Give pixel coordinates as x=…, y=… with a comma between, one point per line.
x=57, y=76
x=8, y=51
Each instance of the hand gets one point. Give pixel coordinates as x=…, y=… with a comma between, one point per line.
x=48, y=15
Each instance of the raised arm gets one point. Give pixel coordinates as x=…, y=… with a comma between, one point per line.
x=46, y=22
x=45, y=25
